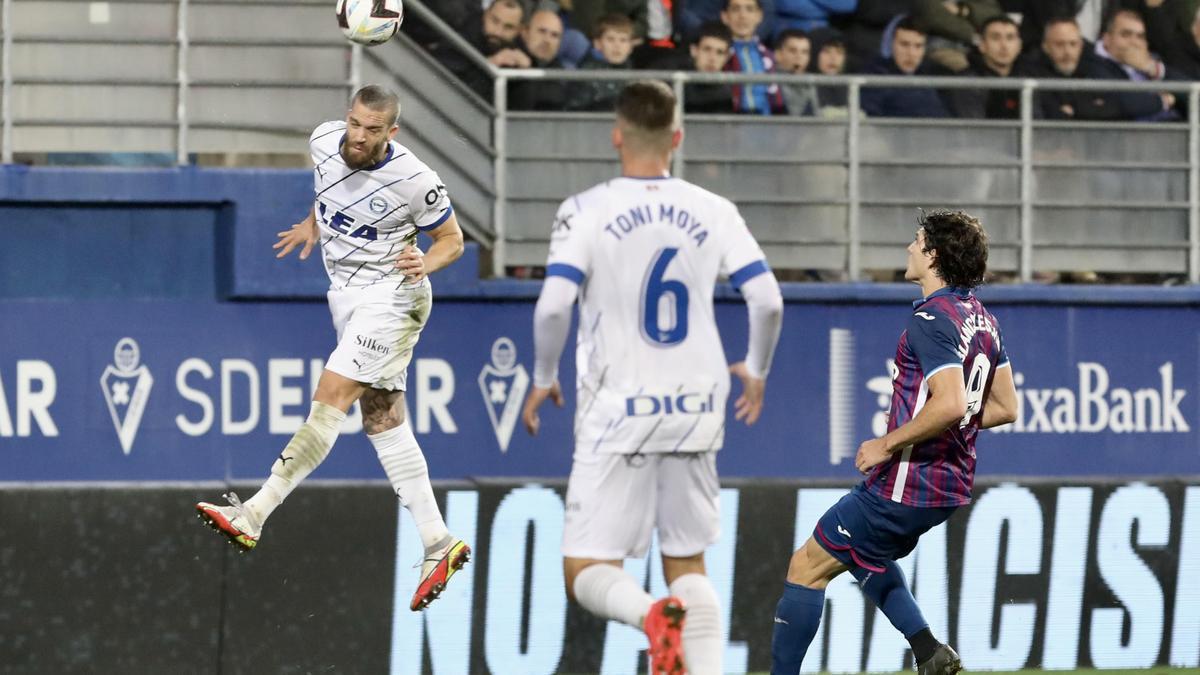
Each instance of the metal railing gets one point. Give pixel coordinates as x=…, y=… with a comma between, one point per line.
x=183, y=82
x=855, y=121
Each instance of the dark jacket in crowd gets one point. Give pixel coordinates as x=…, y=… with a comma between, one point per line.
x=832, y=96
x=708, y=98
x=897, y=102
x=960, y=26
x=596, y=96
x=456, y=13
x=470, y=74
x=828, y=96
x=992, y=104
x=863, y=30
x=1087, y=105
x=538, y=94
x=1175, y=46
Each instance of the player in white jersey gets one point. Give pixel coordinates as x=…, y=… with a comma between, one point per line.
x=372, y=197
x=642, y=253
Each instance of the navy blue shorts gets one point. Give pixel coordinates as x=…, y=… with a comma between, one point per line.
x=865, y=530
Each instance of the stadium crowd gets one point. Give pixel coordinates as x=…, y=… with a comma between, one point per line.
x=1139, y=40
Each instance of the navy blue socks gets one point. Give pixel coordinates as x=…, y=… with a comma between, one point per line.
x=799, y=614
x=796, y=619
x=889, y=591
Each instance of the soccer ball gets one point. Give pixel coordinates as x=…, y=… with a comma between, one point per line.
x=369, y=22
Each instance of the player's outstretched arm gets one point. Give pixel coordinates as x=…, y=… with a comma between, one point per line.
x=303, y=234
x=447, y=247
x=1000, y=407
x=946, y=405
x=551, y=323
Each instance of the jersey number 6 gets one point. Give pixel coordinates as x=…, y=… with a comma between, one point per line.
x=664, y=303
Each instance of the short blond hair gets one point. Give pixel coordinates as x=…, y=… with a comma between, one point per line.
x=379, y=99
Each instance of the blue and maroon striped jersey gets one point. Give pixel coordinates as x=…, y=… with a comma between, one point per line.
x=948, y=329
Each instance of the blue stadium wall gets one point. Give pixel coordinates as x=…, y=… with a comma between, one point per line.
x=153, y=352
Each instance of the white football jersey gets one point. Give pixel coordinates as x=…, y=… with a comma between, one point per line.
x=367, y=216
x=652, y=374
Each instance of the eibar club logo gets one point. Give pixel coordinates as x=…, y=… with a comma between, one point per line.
x=126, y=386
x=503, y=383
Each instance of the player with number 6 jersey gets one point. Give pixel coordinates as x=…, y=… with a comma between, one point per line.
x=647, y=253
x=642, y=253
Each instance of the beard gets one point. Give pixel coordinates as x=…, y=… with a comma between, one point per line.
x=370, y=156
x=493, y=44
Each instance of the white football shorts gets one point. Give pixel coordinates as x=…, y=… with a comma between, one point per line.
x=377, y=328
x=615, y=502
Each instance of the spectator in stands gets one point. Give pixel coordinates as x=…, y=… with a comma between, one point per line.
x=1064, y=55
x=863, y=32
x=496, y=38
x=575, y=45
x=793, y=52
x=1124, y=52
x=699, y=12
x=953, y=28
x=1178, y=46
x=1089, y=15
x=586, y=13
x=810, y=14
x=999, y=47
x=458, y=14
x=612, y=41
x=662, y=48
x=540, y=40
x=502, y=24
x=908, y=58
x=709, y=53
x=658, y=28
x=750, y=56
x=1123, y=43
x=830, y=49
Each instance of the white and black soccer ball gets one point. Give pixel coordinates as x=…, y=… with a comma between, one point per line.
x=369, y=22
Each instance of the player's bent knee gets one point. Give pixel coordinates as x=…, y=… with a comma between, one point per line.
x=338, y=391
x=812, y=566
x=674, y=567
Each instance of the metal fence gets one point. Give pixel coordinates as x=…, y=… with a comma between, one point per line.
x=168, y=76
x=1054, y=195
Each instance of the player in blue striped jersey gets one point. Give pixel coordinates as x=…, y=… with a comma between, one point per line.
x=952, y=379
x=372, y=197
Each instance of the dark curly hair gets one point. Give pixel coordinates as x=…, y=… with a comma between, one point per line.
x=959, y=247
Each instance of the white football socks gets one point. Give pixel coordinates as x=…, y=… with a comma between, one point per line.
x=703, y=640
x=409, y=474
x=305, y=452
x=610, y=593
